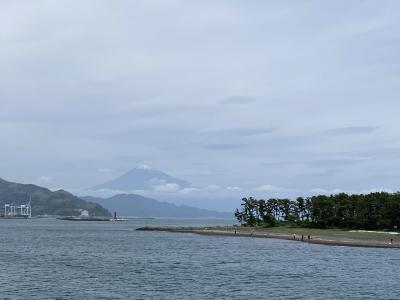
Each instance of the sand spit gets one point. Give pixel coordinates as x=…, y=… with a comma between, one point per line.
x=328, y=237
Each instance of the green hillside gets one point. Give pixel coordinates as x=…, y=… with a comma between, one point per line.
x=46, y=202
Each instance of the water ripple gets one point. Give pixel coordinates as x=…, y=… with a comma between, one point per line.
x=51, y=259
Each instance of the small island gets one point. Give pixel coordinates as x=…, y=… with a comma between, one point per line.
x=369, y=220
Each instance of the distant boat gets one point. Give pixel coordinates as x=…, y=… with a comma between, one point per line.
x=85, y=217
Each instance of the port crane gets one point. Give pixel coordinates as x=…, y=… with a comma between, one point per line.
x=18, y=211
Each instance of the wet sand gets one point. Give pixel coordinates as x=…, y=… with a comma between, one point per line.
x=320, y=236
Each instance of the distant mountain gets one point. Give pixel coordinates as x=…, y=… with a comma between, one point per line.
x=46, y=202
x=143, y=178
x=139, y=206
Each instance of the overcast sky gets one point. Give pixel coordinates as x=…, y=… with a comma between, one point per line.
x=268, y=97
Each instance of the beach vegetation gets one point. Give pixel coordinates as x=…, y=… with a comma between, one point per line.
x=378, y=210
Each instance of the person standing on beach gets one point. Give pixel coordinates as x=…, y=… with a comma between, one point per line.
x=294, y=236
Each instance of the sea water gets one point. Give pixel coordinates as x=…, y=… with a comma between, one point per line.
x=54, y=259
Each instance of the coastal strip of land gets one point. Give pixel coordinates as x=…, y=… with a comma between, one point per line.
x=330, y=237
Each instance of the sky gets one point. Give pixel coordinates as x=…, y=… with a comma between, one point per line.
x=240, y=98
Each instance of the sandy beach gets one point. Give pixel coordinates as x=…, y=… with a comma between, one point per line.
x=330, y=237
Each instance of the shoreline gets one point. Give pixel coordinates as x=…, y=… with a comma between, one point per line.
x=344, y=239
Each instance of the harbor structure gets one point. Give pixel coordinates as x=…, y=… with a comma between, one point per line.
x=14, y=211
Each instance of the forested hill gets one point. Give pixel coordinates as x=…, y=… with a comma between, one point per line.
x=371, y=211
x=46, y=202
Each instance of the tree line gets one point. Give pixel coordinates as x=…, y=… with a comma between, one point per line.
x=372, y=211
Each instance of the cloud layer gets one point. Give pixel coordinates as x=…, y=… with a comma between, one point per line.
x=302, y=96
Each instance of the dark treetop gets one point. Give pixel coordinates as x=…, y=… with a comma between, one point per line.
x=371, y=211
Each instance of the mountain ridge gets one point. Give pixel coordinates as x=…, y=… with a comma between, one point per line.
x=142, y=178
x=134, y=205
x=45, y=201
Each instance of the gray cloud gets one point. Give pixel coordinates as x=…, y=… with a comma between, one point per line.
x=238, y=99
x=219, y=147
x=237, y=132
x=219, y=93
x=339, y=161
x=351, y=130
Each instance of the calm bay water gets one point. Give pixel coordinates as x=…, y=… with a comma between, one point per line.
x=53, y=259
